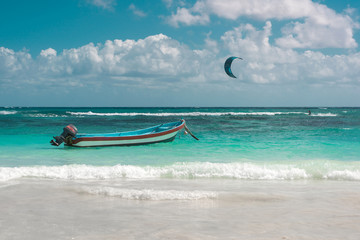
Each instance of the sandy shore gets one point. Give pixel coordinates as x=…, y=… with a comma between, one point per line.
x=179, y=209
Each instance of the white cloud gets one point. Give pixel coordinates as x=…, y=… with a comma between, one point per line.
x=50, y=52
x=188, y=17
x=260, y=9
x=155, y=61
x=323, y=28
x=137, y=11
x=316, y=25
x=161, y=62
x=266, y=63
x=105, y=4
x=14, y=64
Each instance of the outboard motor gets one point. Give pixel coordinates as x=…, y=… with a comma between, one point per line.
x=69, y=131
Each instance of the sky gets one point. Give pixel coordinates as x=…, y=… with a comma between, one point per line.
x=171, y=53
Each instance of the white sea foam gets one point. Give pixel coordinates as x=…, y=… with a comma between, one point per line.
x=7, y=112
x=45, y=115
x=324, y=115
x=79, y=172
x=344, y=175
x=150, y=194
x=182, y=171
x=164, y=114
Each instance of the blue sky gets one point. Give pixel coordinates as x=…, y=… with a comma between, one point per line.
x=171, y=53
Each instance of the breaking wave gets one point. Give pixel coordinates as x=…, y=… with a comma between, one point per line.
x=164, y=114
x=324, y=115
x=4, y=112
x=249, y=171
x=45, y=115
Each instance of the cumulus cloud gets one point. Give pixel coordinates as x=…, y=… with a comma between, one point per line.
x=266, y=63
x=193, y=16
x=315, y=25
x=14, y=65
x=322, y=28
x=50, y=52
x=151, y=61
x=159, y=61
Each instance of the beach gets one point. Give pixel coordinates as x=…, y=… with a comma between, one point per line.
x=226, y=209
x=255, y=173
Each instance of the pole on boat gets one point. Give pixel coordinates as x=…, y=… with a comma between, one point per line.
x=188, y=130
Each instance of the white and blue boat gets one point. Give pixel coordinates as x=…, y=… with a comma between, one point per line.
x=161, y=133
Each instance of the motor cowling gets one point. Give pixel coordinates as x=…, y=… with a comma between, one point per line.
x=68, y=131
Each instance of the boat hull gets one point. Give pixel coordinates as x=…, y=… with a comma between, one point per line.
x=130, y=138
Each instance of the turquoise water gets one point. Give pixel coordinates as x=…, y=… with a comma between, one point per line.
x=240, y=143
x=251, y=170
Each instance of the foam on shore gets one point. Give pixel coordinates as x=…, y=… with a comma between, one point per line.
x=249, y=171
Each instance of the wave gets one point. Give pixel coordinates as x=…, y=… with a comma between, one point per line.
x=324, y=115
x=251, y=171
x=45, y=115
x=150, y=194
x=164, y=114
x=4, y=112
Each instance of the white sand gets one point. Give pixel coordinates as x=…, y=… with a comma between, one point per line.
x=179, y=209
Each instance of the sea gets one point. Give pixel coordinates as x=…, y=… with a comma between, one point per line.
x=255, y=173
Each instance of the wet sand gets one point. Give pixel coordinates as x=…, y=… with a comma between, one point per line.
x=179, y=209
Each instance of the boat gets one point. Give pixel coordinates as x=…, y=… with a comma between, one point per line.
x=160, y=133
